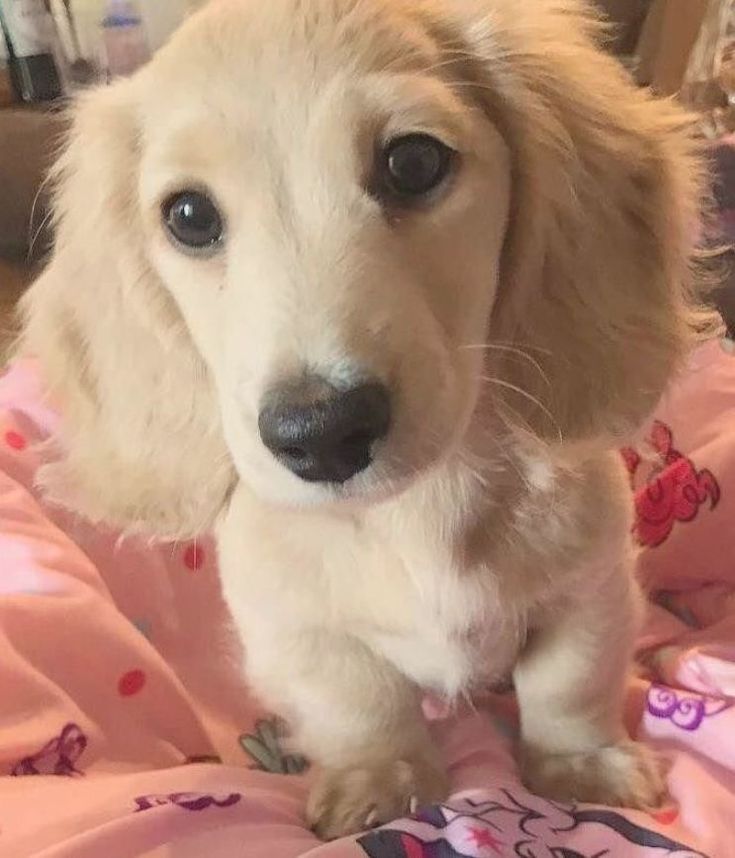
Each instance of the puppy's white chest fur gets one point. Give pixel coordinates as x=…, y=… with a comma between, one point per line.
x=387, y=579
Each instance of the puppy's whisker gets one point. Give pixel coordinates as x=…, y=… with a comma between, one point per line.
x=437, y=66
x=37, y=234
x=526, y=395
x=475, y=469
x=526, y=346
x=511, y=350
x=505, y=456
x=399, y=63
x=48, y=217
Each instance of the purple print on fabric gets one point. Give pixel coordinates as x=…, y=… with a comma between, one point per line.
x=688, y=712
x=57, y=757
x=507, y=825
x=187, y=800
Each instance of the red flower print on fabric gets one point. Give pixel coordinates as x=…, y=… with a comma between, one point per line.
x=674, y=492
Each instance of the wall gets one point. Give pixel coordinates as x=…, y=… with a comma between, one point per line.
x=163, y=16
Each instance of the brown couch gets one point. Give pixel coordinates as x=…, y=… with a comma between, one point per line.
x=28, y=138
x=628, y=16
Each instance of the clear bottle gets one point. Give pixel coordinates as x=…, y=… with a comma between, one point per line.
x=76, y=68
x=124, y=41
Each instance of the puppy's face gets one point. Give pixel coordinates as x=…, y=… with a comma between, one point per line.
x=328, y=214
x=293, y=247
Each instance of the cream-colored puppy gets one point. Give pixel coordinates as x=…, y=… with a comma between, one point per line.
x=373, y=287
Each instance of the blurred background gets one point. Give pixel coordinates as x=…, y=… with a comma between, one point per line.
x=76, y=29
x=49, y=49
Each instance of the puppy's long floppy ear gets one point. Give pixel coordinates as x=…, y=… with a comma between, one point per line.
x=598, y=283
x=141, y=440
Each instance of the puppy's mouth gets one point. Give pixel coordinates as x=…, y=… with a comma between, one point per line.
x=323, y=434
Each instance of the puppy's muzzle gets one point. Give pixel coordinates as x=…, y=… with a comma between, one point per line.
x=322, y=434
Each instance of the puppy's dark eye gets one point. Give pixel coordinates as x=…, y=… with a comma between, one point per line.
x=414, y=165
x=192, y=219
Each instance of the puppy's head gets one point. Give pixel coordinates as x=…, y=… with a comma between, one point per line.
x=312, y=242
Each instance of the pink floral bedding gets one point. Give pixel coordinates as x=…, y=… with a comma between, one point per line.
x=125, y=729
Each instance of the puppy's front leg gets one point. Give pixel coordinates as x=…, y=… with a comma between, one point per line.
x=570, y=683
x=356, y=717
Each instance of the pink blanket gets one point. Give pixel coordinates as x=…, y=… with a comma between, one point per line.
x=125, y=729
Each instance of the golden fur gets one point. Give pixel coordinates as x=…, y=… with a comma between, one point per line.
x=524, y=323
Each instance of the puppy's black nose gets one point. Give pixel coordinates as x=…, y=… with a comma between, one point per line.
x=321, y=434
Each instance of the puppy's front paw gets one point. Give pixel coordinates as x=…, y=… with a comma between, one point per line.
x=347, y=801
x=622, y=775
